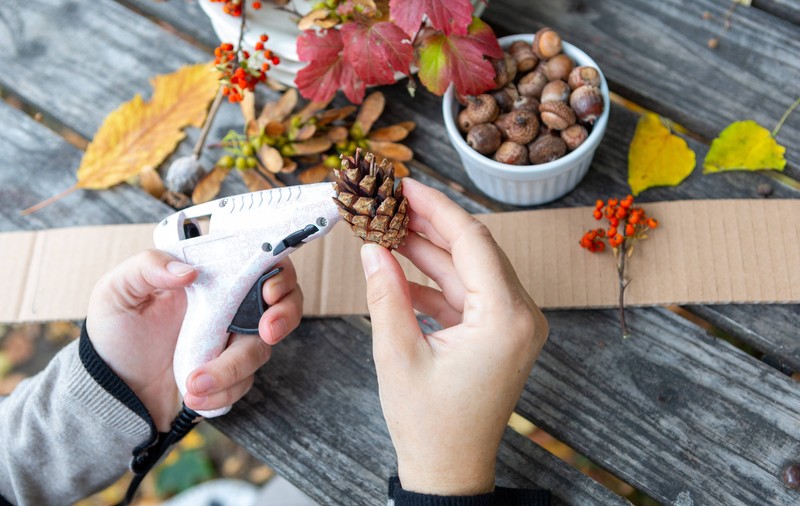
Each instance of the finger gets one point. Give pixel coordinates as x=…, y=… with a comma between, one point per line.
x=281, y=284
x=395, y=330
x=433, y=303
x=219, y=399
x=281, y=318
x=419, y=224
x=437, y=264
x=243, y=356
x=132, y=282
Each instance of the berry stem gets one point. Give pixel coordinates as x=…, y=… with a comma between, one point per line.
x=621, y=254
x=45, y=203
x=212, y=113
x=785, y=117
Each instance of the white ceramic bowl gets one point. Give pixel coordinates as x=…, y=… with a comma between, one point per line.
x=528, y=185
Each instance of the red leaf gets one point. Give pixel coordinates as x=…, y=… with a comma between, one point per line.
x=450, y=16
x=377, y=51
x=459, y=60
x=326, y=71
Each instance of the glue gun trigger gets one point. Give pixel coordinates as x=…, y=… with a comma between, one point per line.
x=253, y=306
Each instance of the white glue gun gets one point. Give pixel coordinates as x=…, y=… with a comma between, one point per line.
x=232, y=242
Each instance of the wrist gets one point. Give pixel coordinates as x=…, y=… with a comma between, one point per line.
x=450, y=479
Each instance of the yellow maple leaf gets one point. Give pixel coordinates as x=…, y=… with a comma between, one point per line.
x=744, y=145
x=139, y=134
x=656, y=156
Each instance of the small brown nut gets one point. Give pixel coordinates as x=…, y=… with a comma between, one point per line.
x=512, y=91
x=464, y=121
x=557, y=115
x=546, y=43
x=512, y=154
x=583, y=76
x=532, y=84
x=482, y=109
x=501, y=123
x=558, y=67
x=555, y=91
x=511, y=67
x=501, y=75
x=587, y=102
x=521, y=126
x=523, y=54
x=525, y=104
x=546, y=149
x=503, y=99
x=574, y=136
x=484, y=138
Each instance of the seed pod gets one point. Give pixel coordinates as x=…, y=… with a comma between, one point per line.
x=546, y=43
x=503, y=99
x=525, y=104
x=484, y=138
x=512, y=153
x=555, y=91
x=532, y=84
x=583, y=76
x=587, y=102
x=546, y=149
x=558, y=67
x=482, y=109
x=464, y=121
x=522, y=126
x=557, y=115
x=574, y=136
x=523, y=54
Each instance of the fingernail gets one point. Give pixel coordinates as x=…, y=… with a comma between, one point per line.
x=179, y=269
x=279, y=329
x=370, y=259
x=197, y=402
x=203, y=383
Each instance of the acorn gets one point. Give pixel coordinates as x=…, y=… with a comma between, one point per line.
x=555, y=91
x=532, y=84
x=482, y=109
x=501, y=124
x=523, y=54
x=503, y=99
x=574, y=136
x=587, y=102
x=484, y=138
x=464, y=121
x=512, y=153
x=525, y=104
x=511, y=67
x=546, y=43
x=558, y=67
x=546, y=149
x=583, y=76
x=501, y=74
x=521, y=126
x=557, y=115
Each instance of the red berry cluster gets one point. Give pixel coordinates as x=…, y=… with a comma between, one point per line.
x=624, y=220
x=234, y=7
x=240, y=70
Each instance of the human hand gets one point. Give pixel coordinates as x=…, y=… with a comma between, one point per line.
x=134, y=317
x=447, y=396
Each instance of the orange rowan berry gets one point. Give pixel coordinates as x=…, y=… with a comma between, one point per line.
x=629, y=229
x=612, y=231
x=256, y=5
x=652, y=223
x=614, y=222
x=597, y=214
x=263, y=37
x=275, y=60
x=599, y=204
x=613, y=202
x=621, y=213
x=601, y=246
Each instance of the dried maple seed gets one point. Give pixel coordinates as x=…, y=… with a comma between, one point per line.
x=482, y=109
x=464, y=121
x=521, y=126
x=557, y=115
x=555, y=91
x=512, y=153
x=546, y=149
x=523, y=54
x=532, y=84
x=574, y=136
x=558, y=67
x=587, y=102
x=484, y=138
x=583, y=76
x=546, y=43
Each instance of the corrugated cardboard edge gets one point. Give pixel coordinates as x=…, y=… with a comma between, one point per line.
x=704, y=252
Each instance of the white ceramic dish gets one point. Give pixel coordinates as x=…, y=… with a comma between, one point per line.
x=528, y=185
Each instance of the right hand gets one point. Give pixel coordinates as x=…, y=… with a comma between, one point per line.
x=447, y=396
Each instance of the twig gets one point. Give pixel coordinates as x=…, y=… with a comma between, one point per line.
x=212, y=113
x=785, y=117
x=621, y=253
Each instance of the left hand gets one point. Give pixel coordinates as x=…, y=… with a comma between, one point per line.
x=134, y=317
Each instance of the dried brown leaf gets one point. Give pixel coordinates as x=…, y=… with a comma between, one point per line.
x=254, y=180
x=309, y=147
x=151, y=182
x=408, y=125
x=391, y=150
x=331, y=115
x=309, y=20
x=208, y=186
x=253, y=128
x=370, y=111
x=315, y=174
x=280, y=109
x=338, y=134
x=271, y=158
x=392, y=133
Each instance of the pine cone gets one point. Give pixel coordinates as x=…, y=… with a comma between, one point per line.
x=369, y=202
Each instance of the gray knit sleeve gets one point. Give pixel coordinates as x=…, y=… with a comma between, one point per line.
x=66, y=433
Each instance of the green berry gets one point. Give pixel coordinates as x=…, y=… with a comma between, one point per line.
x=241, y=163
x=252, y=162
x=247, y=150
x=226, y=162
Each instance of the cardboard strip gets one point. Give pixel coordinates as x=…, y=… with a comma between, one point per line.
x=704, y=252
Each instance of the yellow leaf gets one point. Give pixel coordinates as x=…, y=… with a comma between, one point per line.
x=657, y=157
x=142, y=133
x=744, y=145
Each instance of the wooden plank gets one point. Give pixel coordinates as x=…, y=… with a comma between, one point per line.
x=656, y=54
x=716, y=425
x=315, y=416
x=184, y=16
x=784, y=9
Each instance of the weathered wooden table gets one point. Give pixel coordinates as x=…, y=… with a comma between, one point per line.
x=676, y=411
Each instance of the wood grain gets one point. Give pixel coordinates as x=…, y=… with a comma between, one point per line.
x=785, y=9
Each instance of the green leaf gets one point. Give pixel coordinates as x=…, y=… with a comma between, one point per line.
x=190, y=468
x=744, y=145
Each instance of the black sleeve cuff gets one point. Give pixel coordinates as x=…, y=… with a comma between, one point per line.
x=500, y=496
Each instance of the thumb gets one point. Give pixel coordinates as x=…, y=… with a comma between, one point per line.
x=395, y=330
x=135, y=279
